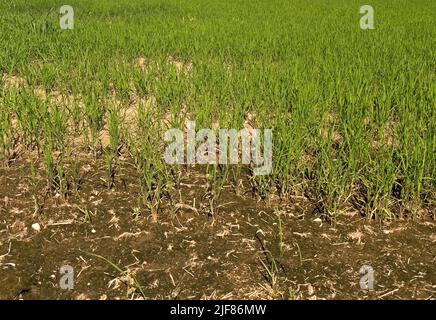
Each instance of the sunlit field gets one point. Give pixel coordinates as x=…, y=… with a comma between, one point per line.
x=84, y=180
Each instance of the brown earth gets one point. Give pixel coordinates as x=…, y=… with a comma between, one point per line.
x=240, y=252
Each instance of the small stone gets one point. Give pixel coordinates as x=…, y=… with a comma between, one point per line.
x=310, y=290
x=93, y=231
x=36, y=227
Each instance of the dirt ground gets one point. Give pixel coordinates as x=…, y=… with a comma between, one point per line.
x=248, y=249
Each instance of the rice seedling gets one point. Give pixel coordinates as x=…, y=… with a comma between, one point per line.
x=351, y=110
x=357, y=135
x=87, y=214
x=114, y=148
x=153, y=172
x=135, y=283
x=281, y=237
x=272, y=274
x=94, y=114
x=217, y=176
x=76, y=177
x=299, y=253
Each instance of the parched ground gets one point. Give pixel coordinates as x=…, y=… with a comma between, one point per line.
x=248, y=249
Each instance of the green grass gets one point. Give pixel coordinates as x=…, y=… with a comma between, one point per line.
x=353, y=111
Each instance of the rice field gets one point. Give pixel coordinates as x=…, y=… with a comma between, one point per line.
x=84, y=113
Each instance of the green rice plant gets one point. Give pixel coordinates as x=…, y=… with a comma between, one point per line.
x=49, y=165
x=136, y=284
x=76, y=177
x=352, y=110
x=114, y=122
x=54, y=172
x=281, y=237
x=94, y=114
x=330, y=186
x=154, y=173
x=31, y=112
x=55, y=128
x=87, y=214
x=115, y=144
x=272, y=274
x=299, y=253
x=76, y=113
x=62, y=182
x=217, y=176
x=6, y=132
x=235, y=175
x=378, y=187
x=110, y=161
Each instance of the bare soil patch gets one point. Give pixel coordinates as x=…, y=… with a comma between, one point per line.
x=239, y=253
